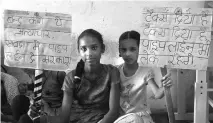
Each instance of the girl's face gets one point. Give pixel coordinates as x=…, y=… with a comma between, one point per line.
x=129, y=50
x=90, y=50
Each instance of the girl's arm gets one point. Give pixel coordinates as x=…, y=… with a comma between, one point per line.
x=114, y=102
x=64, y=116
x=159, y=92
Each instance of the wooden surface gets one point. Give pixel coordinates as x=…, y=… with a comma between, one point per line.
x=168, y=97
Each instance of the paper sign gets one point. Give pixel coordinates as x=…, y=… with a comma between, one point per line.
x=38, y=40
x=176, y=37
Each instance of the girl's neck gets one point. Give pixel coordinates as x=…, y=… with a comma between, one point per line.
x=133, y=66
x=130, y=69
x=93, y=69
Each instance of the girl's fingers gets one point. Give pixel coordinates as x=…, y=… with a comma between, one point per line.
x=143, y=113
x=32, y=113
x=148, y=112
x=167, y=83
x=34, y=109
x=167, y=76
x=166, y=80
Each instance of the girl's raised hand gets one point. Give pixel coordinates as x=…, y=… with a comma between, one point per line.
x=166, y=80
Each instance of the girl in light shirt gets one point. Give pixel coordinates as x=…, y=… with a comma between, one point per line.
x=134, y=81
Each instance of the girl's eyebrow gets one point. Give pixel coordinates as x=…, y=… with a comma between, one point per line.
x=94, y=45
x=133, y=47
x=89, y=45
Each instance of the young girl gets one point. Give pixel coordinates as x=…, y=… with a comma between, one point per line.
x=134, y=79
x=95, y=98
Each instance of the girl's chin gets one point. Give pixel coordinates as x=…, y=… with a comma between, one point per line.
x=130, y=62
x=91, y=63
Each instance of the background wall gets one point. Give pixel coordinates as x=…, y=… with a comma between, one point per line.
x=122, y=13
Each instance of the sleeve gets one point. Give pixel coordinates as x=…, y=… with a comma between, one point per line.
x=149, y=75
x=115, y=76
x=11, y=86
x=68, y=84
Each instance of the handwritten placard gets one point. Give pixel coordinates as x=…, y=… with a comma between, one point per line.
x=38, y=40
x=176, y=37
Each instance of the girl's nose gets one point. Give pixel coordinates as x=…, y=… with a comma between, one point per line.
x=127, y=53
x=89, y=52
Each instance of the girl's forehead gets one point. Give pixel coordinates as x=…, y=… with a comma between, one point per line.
x=88, y=41
x=128, y=43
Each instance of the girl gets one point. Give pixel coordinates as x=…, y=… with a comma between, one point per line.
x=134, y=79
x=91, y=92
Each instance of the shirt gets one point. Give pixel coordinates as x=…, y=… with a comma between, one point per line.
x=133, y=97
x=92, y=97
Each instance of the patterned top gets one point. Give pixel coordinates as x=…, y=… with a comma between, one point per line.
x=134, y=90
x=91, y=101
x=10, y=85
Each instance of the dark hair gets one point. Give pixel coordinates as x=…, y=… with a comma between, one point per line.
x=92, y=33
x=130, y=35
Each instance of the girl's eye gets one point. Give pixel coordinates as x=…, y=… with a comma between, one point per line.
x=94, y=47
x=122, y=49
x=84, y=49
x=133, y=49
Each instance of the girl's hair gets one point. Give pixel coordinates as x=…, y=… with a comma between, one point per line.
x=93, y=33
x=130, y=35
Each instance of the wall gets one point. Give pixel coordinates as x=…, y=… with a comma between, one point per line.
x=121, y=17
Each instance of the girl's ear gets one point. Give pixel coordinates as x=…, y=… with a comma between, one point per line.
x=119, y=52
x=103, y=48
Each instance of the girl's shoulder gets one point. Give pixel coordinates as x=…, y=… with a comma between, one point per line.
x=120, y=66
x=145, y=69
x=70, y=74
x=113, y=72
x=147, y=72
x=110, y=67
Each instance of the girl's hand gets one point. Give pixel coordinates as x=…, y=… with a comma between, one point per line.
x=33, y=111
x=166, y=80
x=22, y=87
